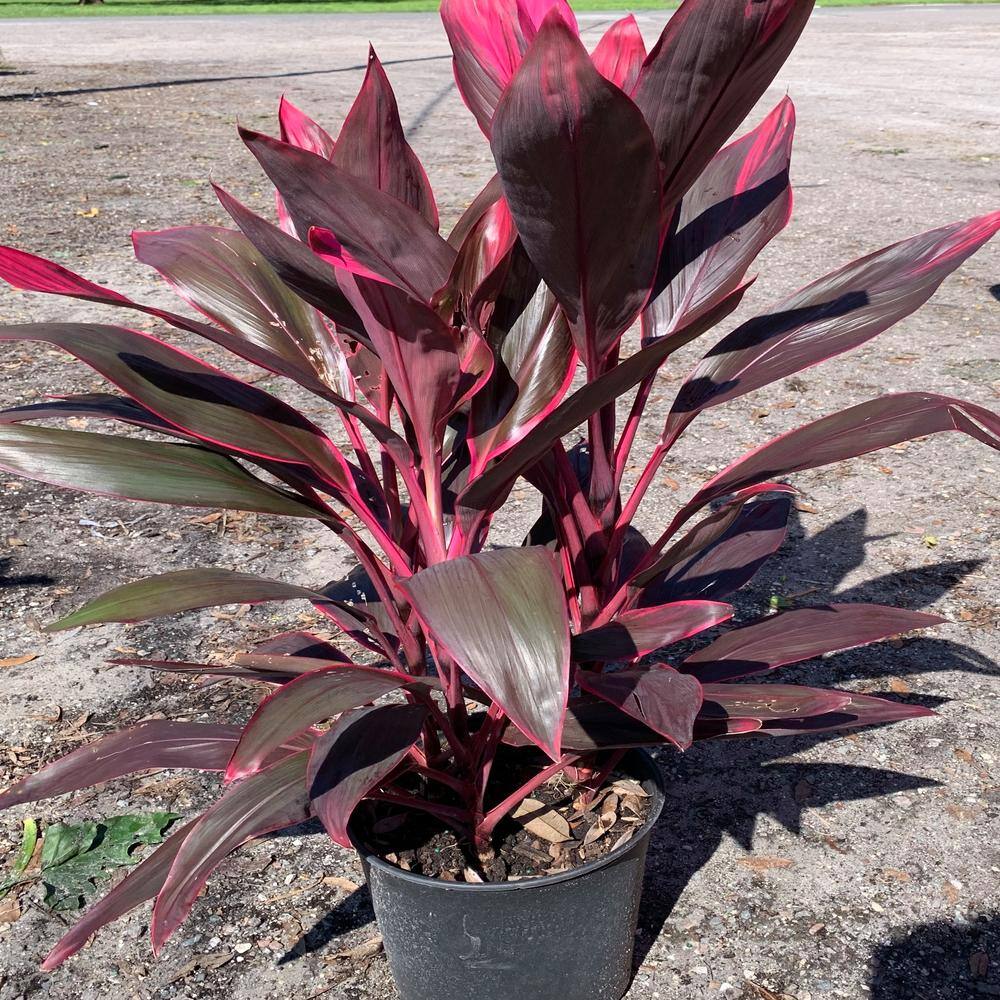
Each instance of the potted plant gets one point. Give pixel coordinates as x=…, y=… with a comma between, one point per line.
x=502, y=692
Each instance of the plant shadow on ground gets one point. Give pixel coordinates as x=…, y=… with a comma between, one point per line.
x=942, y=960
x=24, y=580
x=705, y=802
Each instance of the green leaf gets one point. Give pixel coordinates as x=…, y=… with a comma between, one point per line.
x=29, y=840
x=180, y=474
x=181, y=590
x=76, y=858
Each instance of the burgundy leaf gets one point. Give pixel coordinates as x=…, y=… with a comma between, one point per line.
x=222, y=274
x=713, y=61
x=502, y=616
x=800, y=635
x=195, y=396
x=635, y=633
x=299, y=704
x=156, y=744
x=488, y=39
x=182, y=475
x=141, y=884
x=96, y=405
x=768, y=701
x=711, y=729
x=726, y=562
x=298, y=129
x=738, y=204
x=419, y=352
x=246, y=673
x=390, y=238
x=592, y=724
x=373, y=148
x=579, y=172
x=269, y=800
x=487, y=492
x=357, y=753
x=859, y=710
x=294, y=263
x=834, y=314
x=181, y=590
x=860, y=429
x=620, y=53
x=660, y=698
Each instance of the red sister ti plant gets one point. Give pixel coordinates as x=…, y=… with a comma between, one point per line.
x=454, y=366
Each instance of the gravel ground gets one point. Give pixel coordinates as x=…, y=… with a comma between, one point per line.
x=863, y=866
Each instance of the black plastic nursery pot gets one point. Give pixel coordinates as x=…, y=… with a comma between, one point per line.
x=566, y=935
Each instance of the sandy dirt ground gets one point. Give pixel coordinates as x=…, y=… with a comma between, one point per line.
x=858, y=867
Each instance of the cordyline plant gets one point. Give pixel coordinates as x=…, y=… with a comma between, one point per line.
x=450, y=365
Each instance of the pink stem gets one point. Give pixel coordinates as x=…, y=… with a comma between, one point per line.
x=497, y=813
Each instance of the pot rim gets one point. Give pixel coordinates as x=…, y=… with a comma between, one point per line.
x=644, y=762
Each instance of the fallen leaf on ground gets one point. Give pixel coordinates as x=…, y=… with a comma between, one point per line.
x=764, y=864
x=547, y=824
x=367, y=949
x=16, y=661
x=10, y=910
x=199, y=962
x=341, y=883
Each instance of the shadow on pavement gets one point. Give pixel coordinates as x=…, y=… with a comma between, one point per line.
x=943, y=960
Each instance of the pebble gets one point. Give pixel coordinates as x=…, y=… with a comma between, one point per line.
x=243, y=947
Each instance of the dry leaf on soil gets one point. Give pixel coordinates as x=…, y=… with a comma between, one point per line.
x=545, y=823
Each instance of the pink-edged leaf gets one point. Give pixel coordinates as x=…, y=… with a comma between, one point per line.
x=96, y=405
x=579, y=171
x=384, y=234
x=858, y=430
x=269, y=800
x=712, y=729
x=533, y=363
x=486, y=247
x=858, y=710
x=798, y=635
x=35, y=274
x=373, y=148
x=223, y=275
x=487, y=492
x=181, y=590
x=177, y=474
x=832, y=315
x=298, y=129
x=195, y=396
x=768, y=701
x=660, y=698
x=620, y=53
x=635, y=633
x=140, y=885
x=747, y=536
x=491, y=193
x=155, y=744
x=358, y=752
x=246, y=673
x=488, y=39
x=502, y=616
x=301, y=703
x=710, y=66
x=732, y=211
x=296, y=643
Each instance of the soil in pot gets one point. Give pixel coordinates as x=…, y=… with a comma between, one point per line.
x=554, y=830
